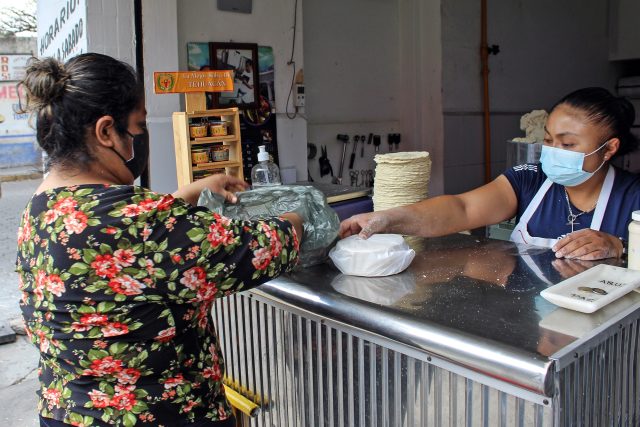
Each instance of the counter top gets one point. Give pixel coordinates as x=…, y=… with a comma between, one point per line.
x=338, y=193
x=469, y=300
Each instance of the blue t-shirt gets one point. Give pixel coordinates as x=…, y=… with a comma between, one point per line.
x=550, y=218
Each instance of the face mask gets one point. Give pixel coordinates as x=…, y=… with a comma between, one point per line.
x=564, y=167
x=138, y=163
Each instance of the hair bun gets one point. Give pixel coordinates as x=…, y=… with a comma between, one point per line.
x=45, y=81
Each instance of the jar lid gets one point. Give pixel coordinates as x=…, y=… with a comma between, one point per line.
x=635, y=215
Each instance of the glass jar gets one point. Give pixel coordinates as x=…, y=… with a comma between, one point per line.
x=633, y=261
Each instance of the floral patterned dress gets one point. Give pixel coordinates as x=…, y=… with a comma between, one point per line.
x=118, y=284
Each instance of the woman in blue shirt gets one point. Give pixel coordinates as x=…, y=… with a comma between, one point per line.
x=574, y=201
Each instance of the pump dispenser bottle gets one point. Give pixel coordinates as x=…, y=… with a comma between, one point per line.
x=265, y=173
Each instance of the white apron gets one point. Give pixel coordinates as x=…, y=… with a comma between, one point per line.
x=520, y=234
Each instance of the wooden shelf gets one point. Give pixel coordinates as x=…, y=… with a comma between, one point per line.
x=214, y=139
x=210, y=113
x=215, y=165
x=183, y=144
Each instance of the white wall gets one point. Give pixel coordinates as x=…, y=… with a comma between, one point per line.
x=421, y=83
x=269, y=24
x=160, y=42
x=547, y=49
x=110, y=29
x=373, y=67
x=351, y=77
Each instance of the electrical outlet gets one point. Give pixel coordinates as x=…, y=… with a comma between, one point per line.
x=299, y=95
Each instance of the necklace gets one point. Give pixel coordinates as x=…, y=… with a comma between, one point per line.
x=571, y=218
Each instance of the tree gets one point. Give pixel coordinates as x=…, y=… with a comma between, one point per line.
x=19, y=19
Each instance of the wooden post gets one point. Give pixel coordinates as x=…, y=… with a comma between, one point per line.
x=195, y=101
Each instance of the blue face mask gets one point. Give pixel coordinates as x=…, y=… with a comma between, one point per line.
x=564, y=167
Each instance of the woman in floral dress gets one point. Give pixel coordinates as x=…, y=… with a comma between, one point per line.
x=118, y=281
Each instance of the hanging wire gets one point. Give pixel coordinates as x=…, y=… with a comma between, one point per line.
x=292, y=62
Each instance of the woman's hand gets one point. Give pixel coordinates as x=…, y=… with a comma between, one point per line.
x=588, y=244
x=222, y=184
x=365, y=224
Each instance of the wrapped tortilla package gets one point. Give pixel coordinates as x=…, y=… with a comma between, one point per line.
x=379, y=255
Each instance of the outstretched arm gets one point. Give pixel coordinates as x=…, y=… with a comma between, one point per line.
x=489, y=204
x=220, y=183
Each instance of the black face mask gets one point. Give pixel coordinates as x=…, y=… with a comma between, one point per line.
x=138, y=163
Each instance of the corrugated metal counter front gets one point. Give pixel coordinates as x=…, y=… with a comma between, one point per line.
x=460, y=338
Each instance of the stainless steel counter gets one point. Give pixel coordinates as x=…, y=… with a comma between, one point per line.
x=463, y=331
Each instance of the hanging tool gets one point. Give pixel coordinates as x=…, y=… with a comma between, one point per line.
x=312, y=150
x=353, y=152
x=325, y=165
x=345, y=140
x=376, y=143
x=362, y=148
x=396, y=140
x=390, y=141
x=363, y=176
x=354, y=178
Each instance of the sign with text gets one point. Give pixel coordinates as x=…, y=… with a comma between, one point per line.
x=12, y=67
x=193, y=81
x=11, y=121
x=62, y=28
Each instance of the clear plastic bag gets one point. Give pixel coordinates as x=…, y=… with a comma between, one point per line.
x=321, y=223
x=379, y=255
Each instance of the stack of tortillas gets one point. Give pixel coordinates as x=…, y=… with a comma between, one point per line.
x=401, y=179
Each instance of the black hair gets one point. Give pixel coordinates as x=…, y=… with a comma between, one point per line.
x=602, y=108
x=67, y=101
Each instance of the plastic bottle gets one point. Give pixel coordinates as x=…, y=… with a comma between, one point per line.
x=633, y=260
x=266, y=173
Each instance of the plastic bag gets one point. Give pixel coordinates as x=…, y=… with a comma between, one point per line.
x=379, y=255
x=320, y=222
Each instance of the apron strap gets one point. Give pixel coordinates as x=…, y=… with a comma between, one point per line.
x=603, y=199
x=535, y=202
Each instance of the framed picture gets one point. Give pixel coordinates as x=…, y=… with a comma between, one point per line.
x=198, y=56
x=242, y=58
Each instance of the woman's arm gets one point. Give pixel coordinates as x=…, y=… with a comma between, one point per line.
x=220, y=183
x=489, y=204
x=296, y=221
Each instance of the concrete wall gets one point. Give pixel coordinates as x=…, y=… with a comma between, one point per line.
x=547, y=49
x=352, y=77
x=110, y=29
x=374, y=67
x=160, y=43
x=18, y=45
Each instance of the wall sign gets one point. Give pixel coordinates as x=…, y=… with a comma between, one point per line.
x=192, y=81
x=12, y=67
x=62, y=28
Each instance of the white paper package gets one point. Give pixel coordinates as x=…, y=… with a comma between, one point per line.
x=379, y=255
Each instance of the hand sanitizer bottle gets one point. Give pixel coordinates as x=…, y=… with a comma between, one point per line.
x=266, y=173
